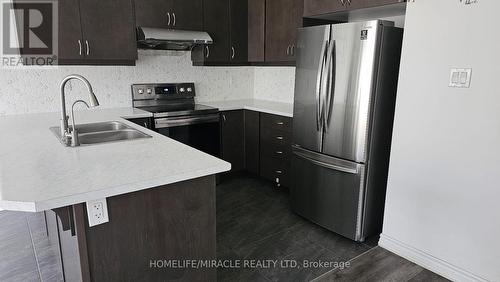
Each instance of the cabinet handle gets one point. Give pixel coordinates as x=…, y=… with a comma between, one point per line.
x=224, y=118
x=145, y=124
x=349, y=2
x=173, y=14
x=207, y=48
x=279, y=152
x=169, y=19
x=233, y=52
x=279, y=172
x=279, y=123
x=88, y=47
x=293, y=49
x=79, y=47
x=342, y=2
x=288, y=50
x=279, y=137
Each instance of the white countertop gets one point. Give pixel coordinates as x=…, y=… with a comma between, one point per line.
x=38, y=173
x=270, y=107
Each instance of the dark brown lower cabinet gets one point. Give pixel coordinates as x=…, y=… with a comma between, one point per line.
x=146, y=230
x=259, y=143
x=233, y=139
x=275, y=148
x=144, y=122
x=252, y=141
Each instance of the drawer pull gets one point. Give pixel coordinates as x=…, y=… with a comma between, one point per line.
x=279, y=152
x=279, y=123
x=279, y=172
x=279, y=137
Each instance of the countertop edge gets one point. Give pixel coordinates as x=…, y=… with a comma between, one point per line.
x=109, y=192
x=268, y=111
x=264, y=106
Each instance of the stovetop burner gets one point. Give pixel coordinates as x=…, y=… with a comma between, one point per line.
x=168, y=100
x=179, y=110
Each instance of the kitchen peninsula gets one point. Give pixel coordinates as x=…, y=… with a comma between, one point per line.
x=160, y=197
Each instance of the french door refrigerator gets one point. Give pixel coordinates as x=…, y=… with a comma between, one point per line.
x=345, y=92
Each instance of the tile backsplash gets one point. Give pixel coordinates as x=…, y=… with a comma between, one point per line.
x=274, y=83
x=37, y=90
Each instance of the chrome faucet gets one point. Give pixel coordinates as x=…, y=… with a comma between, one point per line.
x=69, y=135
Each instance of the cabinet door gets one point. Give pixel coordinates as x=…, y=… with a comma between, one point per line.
x=70, y=33
x=256, y=30
x=320, y=7
x=154, y=13
x=216, y=21
x=239, y=30
x=252, y=141
x=187, y=14
x=108, y=30
x=233, y=139
x=144, y=122
x=283, y=17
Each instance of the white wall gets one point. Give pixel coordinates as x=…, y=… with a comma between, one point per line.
x=37, y=90
x=443, y=198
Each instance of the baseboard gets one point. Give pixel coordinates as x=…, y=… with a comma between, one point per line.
x=428, y=261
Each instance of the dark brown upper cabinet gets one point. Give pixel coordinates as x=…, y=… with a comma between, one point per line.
x=283, y=17
x=239, y=30
x=226, y=22
x=320, y=7
x=256, y=30
x=174, y=14
x=216, y=23
x=97, y=32
x=187, y=14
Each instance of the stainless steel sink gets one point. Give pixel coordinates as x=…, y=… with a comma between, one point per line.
x=102, y=126
x=104, y=132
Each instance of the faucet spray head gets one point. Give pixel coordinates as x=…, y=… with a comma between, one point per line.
x=93, y=100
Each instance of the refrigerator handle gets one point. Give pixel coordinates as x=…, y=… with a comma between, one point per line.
x=324, y=164
x=330, y=89
x=319, y=83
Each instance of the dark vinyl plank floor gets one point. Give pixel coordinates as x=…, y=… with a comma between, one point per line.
x=255, y=222
x=381, y=265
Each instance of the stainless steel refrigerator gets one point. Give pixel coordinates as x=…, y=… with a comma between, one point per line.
x=345, y=92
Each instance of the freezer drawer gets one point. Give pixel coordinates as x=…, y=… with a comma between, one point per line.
x=328, y=191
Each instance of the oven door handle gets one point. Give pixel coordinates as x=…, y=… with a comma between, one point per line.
x=183, y=121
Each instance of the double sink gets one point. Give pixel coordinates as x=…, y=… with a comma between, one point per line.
x=103, y=132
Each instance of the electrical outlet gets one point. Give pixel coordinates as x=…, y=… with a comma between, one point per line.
x=97, y=212
x=460, y=78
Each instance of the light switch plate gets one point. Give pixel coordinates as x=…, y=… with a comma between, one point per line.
x=97, y=212
x=460, y=78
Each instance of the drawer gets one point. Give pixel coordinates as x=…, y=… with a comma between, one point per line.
x=273, y=136
x=278, y=151
x=275, y=170
x=276, y=122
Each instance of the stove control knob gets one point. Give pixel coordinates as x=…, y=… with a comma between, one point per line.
x=149, y=91
x=182, y=90
x=140, y=91
x=190, y=89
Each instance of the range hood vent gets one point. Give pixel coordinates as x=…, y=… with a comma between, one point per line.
x=170, y=39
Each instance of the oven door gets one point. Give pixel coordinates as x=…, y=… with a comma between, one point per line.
x=198, y=131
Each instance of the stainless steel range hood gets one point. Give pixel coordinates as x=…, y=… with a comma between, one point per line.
x=170, y=39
